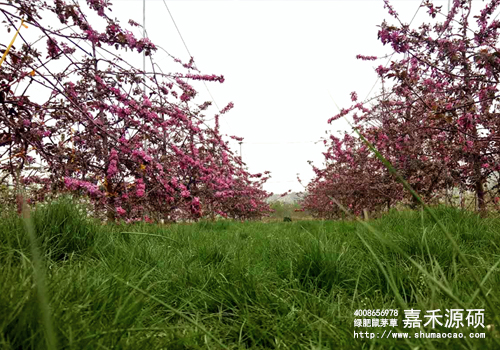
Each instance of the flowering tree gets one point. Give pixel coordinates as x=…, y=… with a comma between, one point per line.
x=134, y=142
x=353, y=177
x=438, y=122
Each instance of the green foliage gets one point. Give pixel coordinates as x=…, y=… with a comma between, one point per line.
x=252, y=285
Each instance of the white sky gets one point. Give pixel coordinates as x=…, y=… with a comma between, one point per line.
x=281, y=61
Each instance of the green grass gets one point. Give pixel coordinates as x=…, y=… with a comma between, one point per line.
x=249, y=285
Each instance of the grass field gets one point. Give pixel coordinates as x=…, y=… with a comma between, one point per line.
x=252, y=285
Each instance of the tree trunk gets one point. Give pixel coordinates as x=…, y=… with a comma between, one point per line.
x=365, y=214
x=481, y=204
x=108, y=188
x=479, y=189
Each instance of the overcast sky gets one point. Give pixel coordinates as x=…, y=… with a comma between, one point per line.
x=281, y=60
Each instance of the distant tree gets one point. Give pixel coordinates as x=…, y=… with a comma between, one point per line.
x=353, y=177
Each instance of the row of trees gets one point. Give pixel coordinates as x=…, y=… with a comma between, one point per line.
x=437, y=124
x=75, y=116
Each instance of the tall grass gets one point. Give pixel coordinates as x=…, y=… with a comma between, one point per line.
x=245, y=285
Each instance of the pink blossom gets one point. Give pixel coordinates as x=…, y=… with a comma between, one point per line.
x=130, y=38
x=52, y=48
x=146, y=102
x=354, y=96
x=120, y=211
x=112, y=168
x=205, y=77
x=140, y=187
x=75, y=184
x=381, y=71
x=92, y=36
x=229, y=106
x=366, y=58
